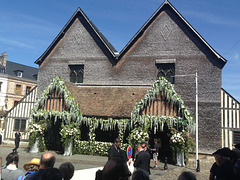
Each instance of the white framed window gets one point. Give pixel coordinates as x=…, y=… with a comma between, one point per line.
x=19, y=74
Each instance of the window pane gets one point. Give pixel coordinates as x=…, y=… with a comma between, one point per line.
x=76, y=73
x=72, y=77
x=17, y=124
x=166, y=70
x=18, y=88
x=28, y=89
x=23, y=125
x=80, y=78
x=236, y=137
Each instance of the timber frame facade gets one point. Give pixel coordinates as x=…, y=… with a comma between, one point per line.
x=19, y=117
x=160, y=106
x=230, y=121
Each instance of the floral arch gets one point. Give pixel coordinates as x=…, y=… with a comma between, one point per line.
x=56, y=103
x=160, y=105
x=46, y=110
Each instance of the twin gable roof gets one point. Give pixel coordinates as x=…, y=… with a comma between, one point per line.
x=112, y=51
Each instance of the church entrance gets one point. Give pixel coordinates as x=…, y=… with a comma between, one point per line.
x=52, y=136
x=163, y=141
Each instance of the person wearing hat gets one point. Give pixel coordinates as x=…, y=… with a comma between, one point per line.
x=30, y=167
x=224, y=160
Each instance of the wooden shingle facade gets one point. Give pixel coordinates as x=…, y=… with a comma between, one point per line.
x=106, y=83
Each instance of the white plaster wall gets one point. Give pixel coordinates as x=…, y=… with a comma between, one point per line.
x=3, y=91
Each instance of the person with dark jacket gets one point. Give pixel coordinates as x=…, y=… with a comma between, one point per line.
x=115, y=169
x=115, y=151
x=226, y=166
x=17, y=140
x=142, y=160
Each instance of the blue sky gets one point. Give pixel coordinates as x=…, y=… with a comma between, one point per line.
x=28, y=27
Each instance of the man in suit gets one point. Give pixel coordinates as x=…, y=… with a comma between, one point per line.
x=142, y=160
x=17, y=140
x=115, y=151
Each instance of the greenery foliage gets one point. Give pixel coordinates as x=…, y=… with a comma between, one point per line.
x=69, y=133
x=36, y=131
x=95, y=148
x=180, y=141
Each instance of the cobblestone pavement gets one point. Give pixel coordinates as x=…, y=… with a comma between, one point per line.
x=86, y=161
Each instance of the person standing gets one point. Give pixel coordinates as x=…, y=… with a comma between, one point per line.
x=17, y=140
x=142, y=160
x=115, y=151
x=155, y=153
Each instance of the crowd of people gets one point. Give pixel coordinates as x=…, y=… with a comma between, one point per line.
x=225, y=167
x=37, y=169
x=117, y=166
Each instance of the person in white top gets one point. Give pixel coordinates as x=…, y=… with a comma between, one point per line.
x=11, y=172
x=1, y=135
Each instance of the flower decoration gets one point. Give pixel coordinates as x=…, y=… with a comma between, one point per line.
x=180, y=141
x=137, y=136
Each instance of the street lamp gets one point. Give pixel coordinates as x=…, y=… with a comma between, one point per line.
x=196, y=116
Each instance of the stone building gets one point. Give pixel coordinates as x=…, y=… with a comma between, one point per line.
x=16, y=80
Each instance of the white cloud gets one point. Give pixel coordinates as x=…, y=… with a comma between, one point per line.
x=15, y=43
x=213, y=19
x=22, y=22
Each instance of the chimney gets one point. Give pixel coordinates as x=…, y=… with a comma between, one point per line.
x=3, y=59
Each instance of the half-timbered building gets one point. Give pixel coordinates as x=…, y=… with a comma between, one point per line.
x=230, y=121
x=18, y=117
